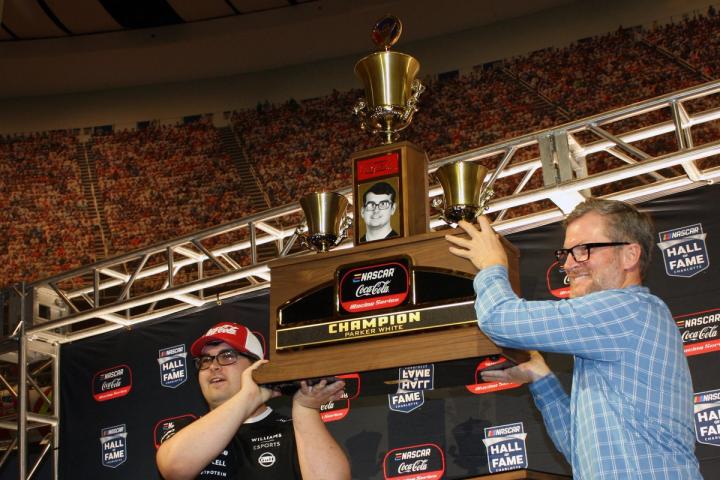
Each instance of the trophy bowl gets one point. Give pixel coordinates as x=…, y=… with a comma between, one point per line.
x=326, y=221
x=463, y=195
x=391, y=92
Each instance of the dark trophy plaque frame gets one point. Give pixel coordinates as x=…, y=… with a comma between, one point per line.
x=401, y=164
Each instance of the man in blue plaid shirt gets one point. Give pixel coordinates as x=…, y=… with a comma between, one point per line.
x=629, y=415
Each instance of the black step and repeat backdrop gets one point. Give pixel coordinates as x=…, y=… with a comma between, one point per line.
x=122, y=392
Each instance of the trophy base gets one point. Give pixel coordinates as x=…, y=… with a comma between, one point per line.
x=295, y=278
x=320, y=242
x=452, y=215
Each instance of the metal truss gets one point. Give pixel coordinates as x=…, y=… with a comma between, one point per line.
x=635, y=153
x=30, y=377
x=611, y=152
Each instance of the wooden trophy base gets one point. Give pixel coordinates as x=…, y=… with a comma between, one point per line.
x=294, y=278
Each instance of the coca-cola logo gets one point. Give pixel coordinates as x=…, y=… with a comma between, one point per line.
x=425, y=461
x=114, y=382
x=703, y=334
x=699, y=331
x=416, y=466
x=373, y=286
x=379, y=288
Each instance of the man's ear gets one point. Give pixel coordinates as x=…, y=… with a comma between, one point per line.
x=393, y=208
x=631, y=256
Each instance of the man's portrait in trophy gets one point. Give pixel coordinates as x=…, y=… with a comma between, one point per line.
x=379, y=218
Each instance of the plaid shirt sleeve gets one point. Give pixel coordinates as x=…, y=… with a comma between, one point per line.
x=554, y=405
x=593, y=326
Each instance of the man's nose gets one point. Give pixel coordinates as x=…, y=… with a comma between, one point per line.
x=569, y=262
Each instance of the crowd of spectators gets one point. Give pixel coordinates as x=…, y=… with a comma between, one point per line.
x=163, y=181
x=46, y=228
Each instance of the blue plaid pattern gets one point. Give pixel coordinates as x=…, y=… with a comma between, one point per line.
x=629, y=415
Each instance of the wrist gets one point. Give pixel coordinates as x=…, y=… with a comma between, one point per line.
x=535, y=376
x=299, y=407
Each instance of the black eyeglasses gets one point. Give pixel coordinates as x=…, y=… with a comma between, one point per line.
x=383, y=205
x=581, y=253
x=225, y=357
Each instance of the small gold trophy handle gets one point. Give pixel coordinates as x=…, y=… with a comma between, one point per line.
x=411, y=106
x=360, y=110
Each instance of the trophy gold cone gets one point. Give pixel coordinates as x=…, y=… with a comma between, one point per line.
x=326, y=221
x=463, y=195
x=391, y=89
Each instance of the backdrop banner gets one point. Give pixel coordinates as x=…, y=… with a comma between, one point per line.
x=123, y=392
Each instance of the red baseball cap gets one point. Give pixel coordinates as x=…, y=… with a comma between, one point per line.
x=235, y=335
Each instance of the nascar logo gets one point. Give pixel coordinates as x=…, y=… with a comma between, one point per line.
x=114, y=446
x=707, y=417
x=684, y=251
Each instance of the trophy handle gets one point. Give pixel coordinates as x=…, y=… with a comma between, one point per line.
x=344, y=227
x=360, y=110
x=485, y=197
x=437, y=204
x=417, y=88
x=301, y=234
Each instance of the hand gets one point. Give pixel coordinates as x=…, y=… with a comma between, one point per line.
x=312, y=396
x=483, y=248
x=252, y=389
x=527, y=372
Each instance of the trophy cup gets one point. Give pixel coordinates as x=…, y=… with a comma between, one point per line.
x=463, y=195
x=391, y=89
x=326, y=221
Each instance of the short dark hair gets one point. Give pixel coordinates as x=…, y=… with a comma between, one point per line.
x=625, y=223
x=380, y=188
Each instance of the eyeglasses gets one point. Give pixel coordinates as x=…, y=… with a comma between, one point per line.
x=225, y=357
x=383, y=205
x=581, y=253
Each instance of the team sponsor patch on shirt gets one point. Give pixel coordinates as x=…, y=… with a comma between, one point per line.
x=114, y=382
x=707, y=417
x=173, y=366
x=113, y=441
x=416, y=462
x=505, y=445
x=684, y=250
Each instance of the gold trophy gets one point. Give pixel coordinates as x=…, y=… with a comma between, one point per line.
x=464, y=197
x=391, y=89
x=326, y=221
x=405, y=295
